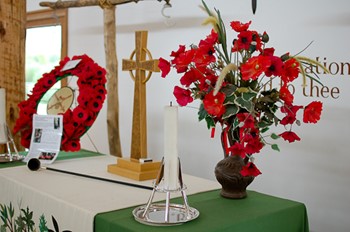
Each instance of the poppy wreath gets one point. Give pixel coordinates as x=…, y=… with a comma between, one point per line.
x=91, y=80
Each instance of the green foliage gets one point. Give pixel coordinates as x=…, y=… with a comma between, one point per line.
x=24, y=221
x=275, y=147
x=231, y=110
x=202, y=114
x=275, y=136
x=42, y=224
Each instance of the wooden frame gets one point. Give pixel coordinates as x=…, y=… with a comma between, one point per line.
x=49, y=17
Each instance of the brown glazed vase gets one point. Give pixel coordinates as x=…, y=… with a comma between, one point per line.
x=227, y=172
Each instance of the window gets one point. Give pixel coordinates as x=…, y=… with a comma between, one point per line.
x=46, y=45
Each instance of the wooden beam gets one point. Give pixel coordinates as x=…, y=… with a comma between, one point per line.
x=82, y=3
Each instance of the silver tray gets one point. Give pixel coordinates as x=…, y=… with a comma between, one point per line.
x=5, y=158
x=156, y=215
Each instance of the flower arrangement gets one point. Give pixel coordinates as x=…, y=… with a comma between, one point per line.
x=232, y=85
x=92, y=93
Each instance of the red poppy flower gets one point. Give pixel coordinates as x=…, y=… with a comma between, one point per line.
x=90, y=119
x=212, y=39
x=101, y=73
x=83, y=99
x=182, y=61
x=25, y=137
x=290, y=70
x=79, y=131
x=290, y=136
x=68, y=129
x=253, y=144
x=291, y=113
x=101, y=90
x=214, y=105
x=190, y=76
x=243, y=42
x=183, y=96
x=204, y=54
x=247, y=119
x=182, y=49
x=96, y=82
x=95, y=105
x=254, y=67
x=275, y=68
x=250, y=170
x=285, y=95
x=207, y=81
x=49, y=79
x=268, y=52
x=71, y=145
x=80, y=114
x=312, y=112
x=164, y=67
x=238, y=26
x=238, y=149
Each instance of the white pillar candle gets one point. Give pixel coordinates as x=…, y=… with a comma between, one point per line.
x=170, y=148
x=3, y=136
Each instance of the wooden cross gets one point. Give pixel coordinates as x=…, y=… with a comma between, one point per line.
x=108, y=7
x=140, y=65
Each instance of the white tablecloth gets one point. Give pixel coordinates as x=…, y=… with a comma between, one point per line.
x=74, y=200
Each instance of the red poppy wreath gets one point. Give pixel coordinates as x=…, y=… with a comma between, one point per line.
x=92, y=93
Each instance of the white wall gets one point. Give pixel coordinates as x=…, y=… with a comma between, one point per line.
x=314, y=171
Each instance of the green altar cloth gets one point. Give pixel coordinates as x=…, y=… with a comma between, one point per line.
x=61, y=156
x=256, y=213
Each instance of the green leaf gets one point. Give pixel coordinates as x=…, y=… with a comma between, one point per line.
x=11, y=210
x=230, y=111
x=248, y=96
x=43, y=224
x=55, y=224
x=275, y=136
x=235, y=123
x=263, y=124
x=210, y=122
x=248, y=105
x=230, y=100
x=275, y=147
x=202, y=113
x=228, y=90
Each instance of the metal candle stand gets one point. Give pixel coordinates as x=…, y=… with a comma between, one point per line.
x=11, y=156
x=166, y=214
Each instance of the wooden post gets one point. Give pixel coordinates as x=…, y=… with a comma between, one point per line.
x=112, y=75
x=12, y=57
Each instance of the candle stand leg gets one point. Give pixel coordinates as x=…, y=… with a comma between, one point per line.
x=10, y=156
x=150, y=200
x=156, y=183
x=167, y=207
x=9, y=150
x=9, y=133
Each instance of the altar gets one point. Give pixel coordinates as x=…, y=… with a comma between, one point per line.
x=82, y=204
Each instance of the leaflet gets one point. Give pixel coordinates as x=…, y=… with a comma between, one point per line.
x=46, y=138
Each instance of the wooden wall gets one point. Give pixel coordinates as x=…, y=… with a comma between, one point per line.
x=12, y=56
